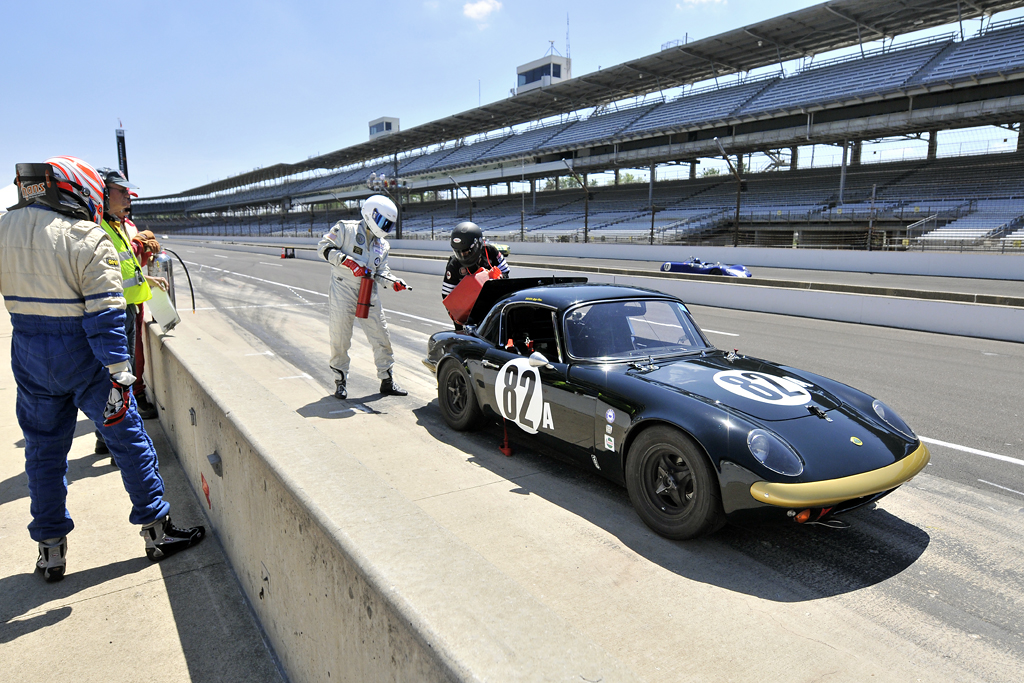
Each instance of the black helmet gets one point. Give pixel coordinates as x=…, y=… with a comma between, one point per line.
x=468, y=244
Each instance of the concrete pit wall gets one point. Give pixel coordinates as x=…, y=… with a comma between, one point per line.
x=350, y=580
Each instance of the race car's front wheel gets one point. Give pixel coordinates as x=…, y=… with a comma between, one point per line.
x=456, y=398
x=672, y=485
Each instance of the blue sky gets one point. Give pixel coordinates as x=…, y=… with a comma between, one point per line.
x=208, y=90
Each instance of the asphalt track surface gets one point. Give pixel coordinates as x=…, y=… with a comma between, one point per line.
x=964, y=396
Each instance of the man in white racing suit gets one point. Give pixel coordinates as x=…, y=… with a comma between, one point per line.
x=355, y=249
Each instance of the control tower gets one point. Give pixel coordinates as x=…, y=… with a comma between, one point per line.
x=550, y=69
x=385, y=125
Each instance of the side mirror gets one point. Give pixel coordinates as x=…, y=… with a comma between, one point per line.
x=537, y=360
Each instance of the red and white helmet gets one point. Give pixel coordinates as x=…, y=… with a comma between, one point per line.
x=380, y=214
x=80, y=182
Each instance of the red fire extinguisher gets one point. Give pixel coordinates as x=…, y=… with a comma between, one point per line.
x=365, y=292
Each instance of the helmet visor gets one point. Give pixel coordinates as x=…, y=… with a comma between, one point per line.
x=382, y=222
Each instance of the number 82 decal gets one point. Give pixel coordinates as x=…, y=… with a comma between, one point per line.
x=519, y=396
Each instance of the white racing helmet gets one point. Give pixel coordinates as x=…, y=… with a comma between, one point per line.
x=380, y=214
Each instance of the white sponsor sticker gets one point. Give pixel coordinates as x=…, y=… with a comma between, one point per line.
x=758, y=386
x=609, y=443
x=609, y=416
x=520, y=397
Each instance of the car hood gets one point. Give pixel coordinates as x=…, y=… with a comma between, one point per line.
x=763, y=390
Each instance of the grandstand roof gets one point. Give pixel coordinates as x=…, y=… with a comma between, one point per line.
x=821, y=28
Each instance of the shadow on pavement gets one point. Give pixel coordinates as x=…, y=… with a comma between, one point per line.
x=12, y=630
x=23, y=593
x=81, y=468
x=778, y=562
x=330, y=408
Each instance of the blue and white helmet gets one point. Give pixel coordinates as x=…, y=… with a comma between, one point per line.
x=380, y=214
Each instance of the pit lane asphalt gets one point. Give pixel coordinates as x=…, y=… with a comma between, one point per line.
x=958, y=390
x=937, y=581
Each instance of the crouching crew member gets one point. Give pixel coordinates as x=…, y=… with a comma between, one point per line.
x=355, y=251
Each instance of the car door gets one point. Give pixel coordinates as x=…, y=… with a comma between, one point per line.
x=540, y=400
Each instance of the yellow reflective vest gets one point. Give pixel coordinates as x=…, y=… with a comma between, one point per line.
x=136, y=289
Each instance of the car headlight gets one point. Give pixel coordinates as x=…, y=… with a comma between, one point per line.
x=771, y=452
x=890, y=418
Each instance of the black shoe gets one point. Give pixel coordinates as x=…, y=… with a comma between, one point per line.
x=163, y=538
x=113, y=464
x=340, y=392
x=147, y=411
x=53, y=558
x=389, y=387
x=101, y=446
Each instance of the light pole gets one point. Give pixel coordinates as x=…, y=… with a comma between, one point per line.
x=470, y=198
x=586, y=201
x=739, y=189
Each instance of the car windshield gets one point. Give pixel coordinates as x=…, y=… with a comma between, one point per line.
x=631, y=329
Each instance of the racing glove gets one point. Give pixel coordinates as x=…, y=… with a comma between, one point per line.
x=119, y=398
x=356, y=269
x=399, y=285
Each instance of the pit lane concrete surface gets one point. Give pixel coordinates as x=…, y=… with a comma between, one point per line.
x=927, y=585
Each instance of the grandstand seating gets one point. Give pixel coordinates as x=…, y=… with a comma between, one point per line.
x=843, y=81
x=597, y=128
x=524, y=142
x=712, y=105
x=987, y=217
x=999, y=51
x=972, y=197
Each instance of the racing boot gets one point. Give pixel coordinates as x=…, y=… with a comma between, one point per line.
x=52, y=558
x=147, y=411
x=340, y=392
x=389, y=387
x=101, y=446
x=163, y=538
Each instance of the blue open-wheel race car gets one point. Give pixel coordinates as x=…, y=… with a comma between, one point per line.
x=697, y=267
x=623, y=381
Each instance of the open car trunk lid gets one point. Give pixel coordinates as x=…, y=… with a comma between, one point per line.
x=494, y=290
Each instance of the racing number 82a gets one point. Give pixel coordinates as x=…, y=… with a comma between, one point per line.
x=516, y=391
x=508, y=403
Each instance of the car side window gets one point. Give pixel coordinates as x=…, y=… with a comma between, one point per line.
x=530, y=329
x=489, y=327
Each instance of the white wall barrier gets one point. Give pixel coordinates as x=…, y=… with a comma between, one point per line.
x=943, y=264
x=971, y=320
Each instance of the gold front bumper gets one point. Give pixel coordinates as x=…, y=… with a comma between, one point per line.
x=832, y=491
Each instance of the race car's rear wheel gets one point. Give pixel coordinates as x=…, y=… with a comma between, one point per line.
x=456, y=398
x=672, y=485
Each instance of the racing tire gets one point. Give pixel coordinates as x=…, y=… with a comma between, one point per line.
x=716, y=271
x=456, y=398
x=672, y=485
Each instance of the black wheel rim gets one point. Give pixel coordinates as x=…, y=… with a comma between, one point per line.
x=668, y=482
x=457, y=392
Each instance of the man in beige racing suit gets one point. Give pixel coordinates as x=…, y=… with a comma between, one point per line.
x=355, y=249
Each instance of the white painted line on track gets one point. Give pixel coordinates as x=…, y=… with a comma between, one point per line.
x=224, y=308
x=276, y=265
x=416, y=317
x=221, y=256
x=302, y=376
x=262, y=353
x=727, y=334
x=975, y=451
x=259, y=279
x=1019, y=493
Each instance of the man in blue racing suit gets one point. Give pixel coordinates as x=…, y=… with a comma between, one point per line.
x=61, y=282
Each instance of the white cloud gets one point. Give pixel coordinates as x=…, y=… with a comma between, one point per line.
x=480, y=10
